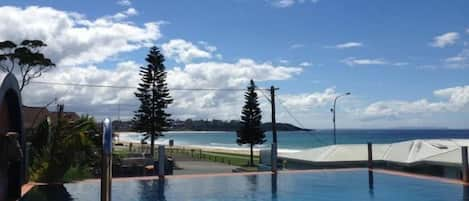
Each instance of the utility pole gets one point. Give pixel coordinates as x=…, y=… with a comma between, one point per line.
x=58, y=126
x=333, y=121
x=118, y=122
x=118, y=111
x=274, y=130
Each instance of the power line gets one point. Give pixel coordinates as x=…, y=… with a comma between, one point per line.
x=298, y=122
x=82, y=85
x=293, y=117
x=134, y=87
x=173, y=89
x=265, y=96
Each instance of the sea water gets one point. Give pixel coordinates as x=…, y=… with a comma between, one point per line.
x=298, y=140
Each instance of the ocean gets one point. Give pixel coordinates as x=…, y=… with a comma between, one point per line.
x=291, y=141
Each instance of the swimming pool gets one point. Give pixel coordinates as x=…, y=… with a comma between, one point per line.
x=318, y=186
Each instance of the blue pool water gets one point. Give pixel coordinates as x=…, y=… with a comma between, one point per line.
x=322, y=186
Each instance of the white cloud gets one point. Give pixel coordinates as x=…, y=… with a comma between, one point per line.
x=296, y=46
x=396, y=109
x=183, y=51
x=207, y=46
x=288, y=3
x=306, y=64
x=455, y=59
x=455, y=99
x=96, y=101
x=220, y=104
x=444, y=40
x=458, y=97
x=400, y=64
x=283, y=61
x=124, y=2
x=459, y=61
x=221, y=74
x=188, y=104
x=283, y=3
x=307, y=101
x=352, y=61
x=73, y=39
x=131, y=11
x=348, y=45
x=124, y=15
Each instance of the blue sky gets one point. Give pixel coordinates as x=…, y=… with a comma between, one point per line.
x=382, y=51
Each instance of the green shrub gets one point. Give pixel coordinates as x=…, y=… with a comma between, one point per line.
x=70, y=144
x=77, y=173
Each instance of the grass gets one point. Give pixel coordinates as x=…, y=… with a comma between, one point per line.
x=122, y=153
x=228, y=158
x=76, y=174
x=235, y=159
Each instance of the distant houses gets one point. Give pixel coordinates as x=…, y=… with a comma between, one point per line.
x=207, y=125
x=33, y=116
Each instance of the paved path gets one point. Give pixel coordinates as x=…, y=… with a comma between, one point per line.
x=202, y=167
x=189, y=165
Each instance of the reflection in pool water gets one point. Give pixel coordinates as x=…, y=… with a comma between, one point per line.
x=344, y=185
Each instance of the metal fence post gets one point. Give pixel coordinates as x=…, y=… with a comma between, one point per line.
x=370, y=155
x=465, y=172
x=370, y=167
x=161, y=161
x=106, y=173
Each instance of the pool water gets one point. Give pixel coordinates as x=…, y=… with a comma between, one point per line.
x=318, y=186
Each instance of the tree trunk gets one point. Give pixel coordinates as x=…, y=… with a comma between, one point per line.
x=252, y=157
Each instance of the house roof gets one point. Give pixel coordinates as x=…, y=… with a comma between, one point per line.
x=33, y=116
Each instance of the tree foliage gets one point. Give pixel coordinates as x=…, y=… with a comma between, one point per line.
x=24, y=60
x=153, y=94
x=69, y=144
x=250, y=131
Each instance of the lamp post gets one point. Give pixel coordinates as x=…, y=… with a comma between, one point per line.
x=333, y=113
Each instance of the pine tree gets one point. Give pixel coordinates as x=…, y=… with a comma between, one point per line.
x=153, y=94
x=250, y=131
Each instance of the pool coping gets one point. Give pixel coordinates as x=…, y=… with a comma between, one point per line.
x=27, y=187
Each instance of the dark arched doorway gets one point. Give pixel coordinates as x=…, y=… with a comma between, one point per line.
x=12, y=164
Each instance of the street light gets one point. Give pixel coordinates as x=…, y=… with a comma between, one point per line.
x=333, y=113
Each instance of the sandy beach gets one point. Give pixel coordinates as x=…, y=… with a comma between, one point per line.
x=218, y=149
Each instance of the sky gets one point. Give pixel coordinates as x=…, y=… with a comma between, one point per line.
x=405, y=63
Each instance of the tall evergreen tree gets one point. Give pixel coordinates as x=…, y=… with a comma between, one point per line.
x=153, y=93
x=250, y=131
